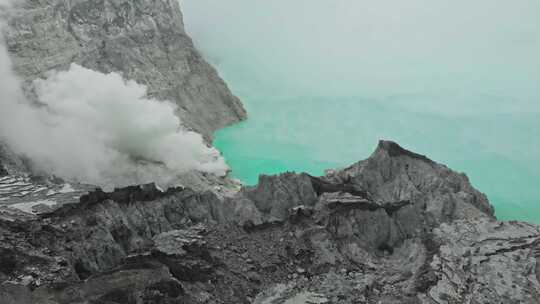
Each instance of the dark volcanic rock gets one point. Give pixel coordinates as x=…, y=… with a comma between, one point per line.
x=395, y=228
x=3, y=171
x=275, y=195
x=393, y=174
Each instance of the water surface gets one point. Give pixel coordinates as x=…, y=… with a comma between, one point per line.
x=323, y=81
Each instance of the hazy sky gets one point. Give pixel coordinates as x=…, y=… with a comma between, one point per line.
x=374, y=48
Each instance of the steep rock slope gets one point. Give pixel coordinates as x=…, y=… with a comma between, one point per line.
x=144, y=40
x=395, y=228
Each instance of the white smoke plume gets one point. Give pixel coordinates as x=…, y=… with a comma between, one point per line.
x=98, y=128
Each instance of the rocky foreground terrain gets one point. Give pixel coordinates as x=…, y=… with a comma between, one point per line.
x=395, y=228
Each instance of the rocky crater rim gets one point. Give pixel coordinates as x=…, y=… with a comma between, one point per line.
x=390, y=229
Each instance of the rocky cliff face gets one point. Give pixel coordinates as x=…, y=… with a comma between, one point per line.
x=395, y=228
x=143, y=40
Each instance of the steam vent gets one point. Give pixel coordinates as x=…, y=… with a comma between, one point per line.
x=130, y=172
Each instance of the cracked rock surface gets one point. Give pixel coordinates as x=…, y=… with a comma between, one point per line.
x=395, y=228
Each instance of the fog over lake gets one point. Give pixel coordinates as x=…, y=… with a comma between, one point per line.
x=323, y=81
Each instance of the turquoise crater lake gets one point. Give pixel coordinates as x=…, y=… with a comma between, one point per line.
x=323, y=81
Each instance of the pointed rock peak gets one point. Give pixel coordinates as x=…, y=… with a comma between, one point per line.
x=395, y=150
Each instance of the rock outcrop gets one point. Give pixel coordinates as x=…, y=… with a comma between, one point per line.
x=3, y=170
x=143, y=40
x=395, y=228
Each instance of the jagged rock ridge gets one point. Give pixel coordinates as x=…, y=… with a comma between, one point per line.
x=395, y=228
